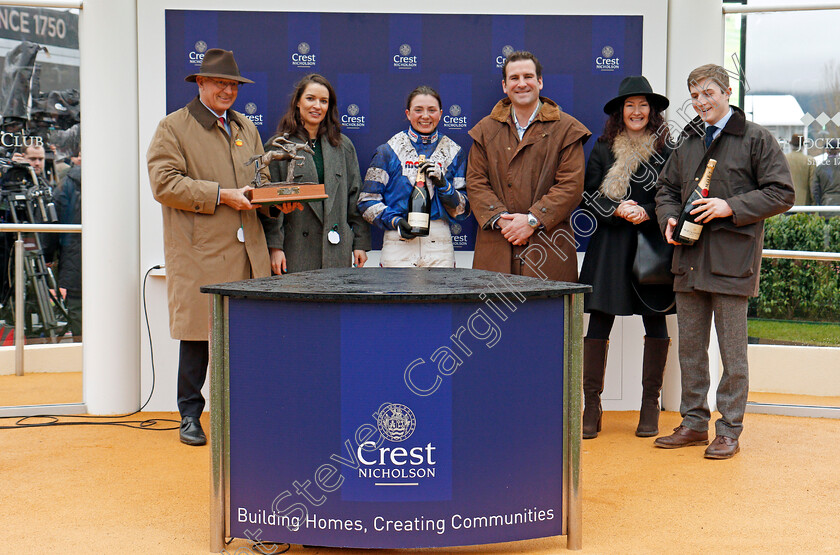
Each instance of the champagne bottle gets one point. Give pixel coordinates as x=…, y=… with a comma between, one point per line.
x=687, y=230
x=419, y=204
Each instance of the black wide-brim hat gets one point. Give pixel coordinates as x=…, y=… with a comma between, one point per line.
x=636, y=85
x=220, y=64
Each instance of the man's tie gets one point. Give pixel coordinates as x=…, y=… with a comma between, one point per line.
x=222, y=121
x=710, y=135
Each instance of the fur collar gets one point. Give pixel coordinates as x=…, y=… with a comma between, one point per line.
x=629, y=153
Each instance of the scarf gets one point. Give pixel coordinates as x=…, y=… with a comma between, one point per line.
x=629, y=154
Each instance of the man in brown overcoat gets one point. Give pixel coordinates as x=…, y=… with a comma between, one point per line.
x=525, y=177
x=211, y=233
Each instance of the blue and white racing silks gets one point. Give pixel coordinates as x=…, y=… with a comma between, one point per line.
x=393, y=170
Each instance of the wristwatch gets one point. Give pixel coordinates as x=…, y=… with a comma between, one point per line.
x=533, y=221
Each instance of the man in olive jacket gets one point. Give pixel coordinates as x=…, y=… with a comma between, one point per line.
x=801, y=170
x=211, y=233
x=719, y=272
x=524, y=179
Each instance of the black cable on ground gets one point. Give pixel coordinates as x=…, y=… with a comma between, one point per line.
x=54, y=419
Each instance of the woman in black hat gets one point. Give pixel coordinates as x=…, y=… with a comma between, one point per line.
x=620, y=183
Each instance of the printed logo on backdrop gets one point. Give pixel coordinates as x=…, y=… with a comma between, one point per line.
x=302, y=58
x=352, y=119
x=454, y=119
x=403, y=59
x=353, y=91
x=197, y=54
x=303, y=41
x=404, y=45
x=252, y=101
x=607, y=61
x=409, y=464
x=251, y=112
x=459, y=238
x=507, y=50
x=396, y=422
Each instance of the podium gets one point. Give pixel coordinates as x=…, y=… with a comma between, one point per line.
x=395, y=408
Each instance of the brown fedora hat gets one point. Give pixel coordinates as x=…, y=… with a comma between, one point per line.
x=218, y=63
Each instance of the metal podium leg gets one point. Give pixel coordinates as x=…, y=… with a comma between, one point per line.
x=218, y=404
x=20, y=332
x=574, y=386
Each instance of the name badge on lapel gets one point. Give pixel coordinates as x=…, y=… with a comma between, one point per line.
x=333, y=237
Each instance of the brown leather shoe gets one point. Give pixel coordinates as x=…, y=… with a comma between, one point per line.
x=722, y=448
x=682, y=437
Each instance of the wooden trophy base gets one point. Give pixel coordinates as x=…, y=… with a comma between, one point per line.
x=275, y=193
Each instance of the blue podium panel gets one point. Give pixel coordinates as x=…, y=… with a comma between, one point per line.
x=396, y=425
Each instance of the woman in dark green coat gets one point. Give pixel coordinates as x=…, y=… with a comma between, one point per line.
x=329, y=233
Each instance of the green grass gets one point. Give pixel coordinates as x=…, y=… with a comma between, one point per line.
x=802, y=333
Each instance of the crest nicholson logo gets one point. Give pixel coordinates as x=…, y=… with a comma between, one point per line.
x=304, y=58
x=404, y=60
x=607, y=61
x=251, y=114
x=392, y=466
x=396, y=422
x=454, y=119
x=352, y=119
x=197, y=54
x=507, y=50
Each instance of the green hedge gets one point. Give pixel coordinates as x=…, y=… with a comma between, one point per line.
x=799, y=289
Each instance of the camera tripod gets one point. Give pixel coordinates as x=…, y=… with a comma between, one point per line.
x=44, y=311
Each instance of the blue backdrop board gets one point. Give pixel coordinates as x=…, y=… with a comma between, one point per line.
x=375, y=60
x=417, y=420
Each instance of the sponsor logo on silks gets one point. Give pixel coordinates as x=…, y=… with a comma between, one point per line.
x=302, y=58
x=197, y=54
x=454, y=120
x=352, y=119
x=606, y=61
x=415, y=164
x=404, y=59
x=507, y=50
x=409, y=164
x=396, y=465
x=251, y=114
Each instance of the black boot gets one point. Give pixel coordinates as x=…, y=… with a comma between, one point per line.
x=594, y=366
x=653, y=367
